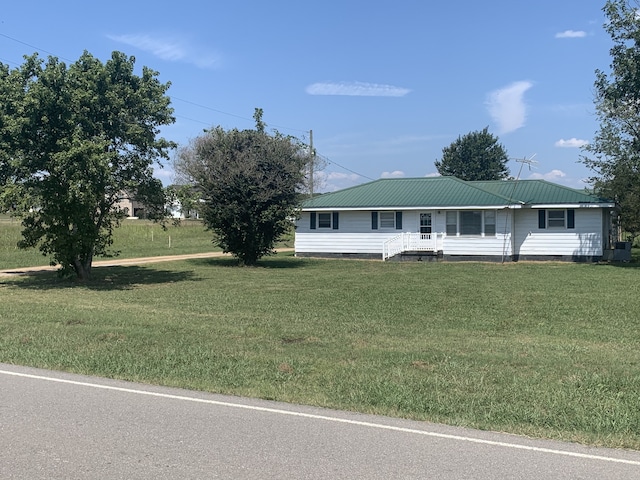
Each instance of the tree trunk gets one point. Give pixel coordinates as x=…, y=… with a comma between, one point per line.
x=83, y=268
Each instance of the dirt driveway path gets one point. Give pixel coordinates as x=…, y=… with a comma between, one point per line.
x=124, y=262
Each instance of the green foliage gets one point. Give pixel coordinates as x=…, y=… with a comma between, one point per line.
x=614, y=153
x=185, y=198
x=250, y=182
x=475, y=156
x=72, y=141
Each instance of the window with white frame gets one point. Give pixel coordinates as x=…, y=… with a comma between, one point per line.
x=324, y=220
x=387, y=219
x=471, y=222
x=556, y=218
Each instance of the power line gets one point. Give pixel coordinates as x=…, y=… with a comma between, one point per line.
x=197, y=105
x=34, y=47
x=344, y=168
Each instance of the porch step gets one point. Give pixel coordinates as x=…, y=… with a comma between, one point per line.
x=416, y=256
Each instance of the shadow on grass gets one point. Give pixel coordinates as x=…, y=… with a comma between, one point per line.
x=278, y=261
x=631, y=264
x=102, y=278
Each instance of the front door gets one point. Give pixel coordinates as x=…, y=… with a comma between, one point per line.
x=425, y=225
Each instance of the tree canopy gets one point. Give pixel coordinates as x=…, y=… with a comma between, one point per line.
x=474, y=156
x=73, y=140
x=250, y=182
x=614, y=154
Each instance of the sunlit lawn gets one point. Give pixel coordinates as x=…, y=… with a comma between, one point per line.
x=543, y=349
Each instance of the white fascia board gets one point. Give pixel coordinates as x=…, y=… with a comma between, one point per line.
x=574, y=205
x=394, y=209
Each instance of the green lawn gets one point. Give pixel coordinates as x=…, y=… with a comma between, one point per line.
x=134, y=238
x=542, y=349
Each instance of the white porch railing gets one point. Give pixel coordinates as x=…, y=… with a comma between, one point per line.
x=409, y=242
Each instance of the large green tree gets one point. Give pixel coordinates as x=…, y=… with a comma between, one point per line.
x=475, y=156
x=614, y=154
x=250, y=182
x=73, y=140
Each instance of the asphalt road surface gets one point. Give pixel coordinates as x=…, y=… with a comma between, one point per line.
x=61, y=426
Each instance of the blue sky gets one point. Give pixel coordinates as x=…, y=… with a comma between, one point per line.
x=384, y=86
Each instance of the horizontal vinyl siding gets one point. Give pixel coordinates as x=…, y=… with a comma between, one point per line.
x=370, y=242
x=585, y=239
x=477, y=246
x=350, y=222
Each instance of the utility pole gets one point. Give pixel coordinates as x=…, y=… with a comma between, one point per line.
x=312, y=155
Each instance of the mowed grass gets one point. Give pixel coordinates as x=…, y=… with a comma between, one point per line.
x=542, y=349
x=134, y=238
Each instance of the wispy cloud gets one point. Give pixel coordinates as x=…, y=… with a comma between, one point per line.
x=433, y=174
x=332, y=181
x=571, y=143
x=552, y=176
x=507, y=107
x=169, y=49
x=356, y=89
x=571, y=34
x=394, y=174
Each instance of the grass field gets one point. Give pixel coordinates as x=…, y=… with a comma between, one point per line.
x=542, y=349
x=134, y=238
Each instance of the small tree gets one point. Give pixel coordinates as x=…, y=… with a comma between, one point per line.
x=72, y=142
x=250, y=182
x=614, y=153
x=474, y=156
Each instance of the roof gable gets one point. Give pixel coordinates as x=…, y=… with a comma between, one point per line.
x=441, y=192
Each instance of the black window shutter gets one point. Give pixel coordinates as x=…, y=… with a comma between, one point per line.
x=398, y=220
x=312, y=215
x=374, y=220
x=335, y=220
x=542, y=219
x=571, y=218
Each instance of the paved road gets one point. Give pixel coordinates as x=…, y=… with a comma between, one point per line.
x=61, y=426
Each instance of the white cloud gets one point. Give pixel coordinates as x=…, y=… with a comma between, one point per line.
x=394, y=174
x=571, y=143
x=356, y=89
x=168, y=49
x=332, y=181
x=552, y=176
x=506, y=106
x=571, y=34
x=434, y=174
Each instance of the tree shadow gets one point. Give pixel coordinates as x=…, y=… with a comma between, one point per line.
x=278, y=261
x=102, y=279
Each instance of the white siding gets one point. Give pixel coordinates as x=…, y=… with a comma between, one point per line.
x=356, y=236
x=583, y=240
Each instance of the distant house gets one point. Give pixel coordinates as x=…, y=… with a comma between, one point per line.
x=130, y=206
x=445, y=217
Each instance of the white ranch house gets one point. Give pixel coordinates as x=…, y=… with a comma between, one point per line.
x=445, y=217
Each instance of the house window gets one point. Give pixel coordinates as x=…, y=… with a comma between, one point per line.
x=324, y=220
x=489, y=223
x=386, y=220
x=555, y=218
x=471, y=222
x=452, y=223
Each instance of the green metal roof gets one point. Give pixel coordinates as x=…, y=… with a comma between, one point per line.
x=441, y=192
x=533, y=192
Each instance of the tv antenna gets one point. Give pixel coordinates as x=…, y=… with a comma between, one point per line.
x=522, y=161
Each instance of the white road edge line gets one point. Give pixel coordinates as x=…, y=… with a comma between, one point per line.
x=326, y=418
